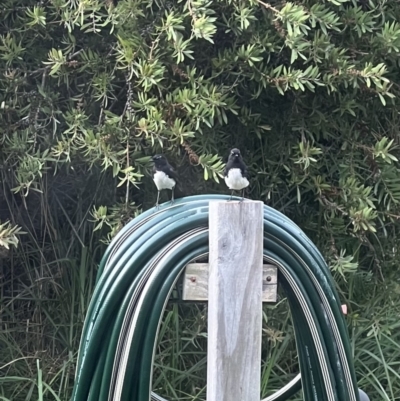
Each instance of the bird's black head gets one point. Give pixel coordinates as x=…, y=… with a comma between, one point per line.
x=159, y=160
x=235, y=154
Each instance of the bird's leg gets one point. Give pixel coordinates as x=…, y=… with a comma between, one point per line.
x=158, y=197
x=231, y=195
x=172, y=197
x=241, y=200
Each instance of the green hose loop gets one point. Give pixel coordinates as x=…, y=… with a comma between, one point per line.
x=136, y=276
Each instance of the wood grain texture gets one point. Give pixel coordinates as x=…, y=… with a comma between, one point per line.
x=195, y=283
x=235, y=301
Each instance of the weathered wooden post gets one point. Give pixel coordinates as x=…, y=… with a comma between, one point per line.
x=235, y=301
x=235, y=283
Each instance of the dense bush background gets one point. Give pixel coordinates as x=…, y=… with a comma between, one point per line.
x=90, y=89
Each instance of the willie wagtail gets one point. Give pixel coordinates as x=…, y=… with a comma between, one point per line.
x=236, y=174
x=164, y=176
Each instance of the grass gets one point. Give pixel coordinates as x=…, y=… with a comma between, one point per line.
x=376, y=343
x=45, y=290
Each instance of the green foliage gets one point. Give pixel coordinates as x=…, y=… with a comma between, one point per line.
x=9, y=235
x=90, y=89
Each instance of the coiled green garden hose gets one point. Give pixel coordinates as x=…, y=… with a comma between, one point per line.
x=136, y=277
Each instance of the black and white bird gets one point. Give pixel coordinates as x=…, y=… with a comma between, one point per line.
x=236, y=174
x=164, y=176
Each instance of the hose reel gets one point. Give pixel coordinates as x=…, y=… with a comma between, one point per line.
x=138, y=272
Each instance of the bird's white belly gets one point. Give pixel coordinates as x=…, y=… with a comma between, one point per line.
x=235, y=180
x=162, y=181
